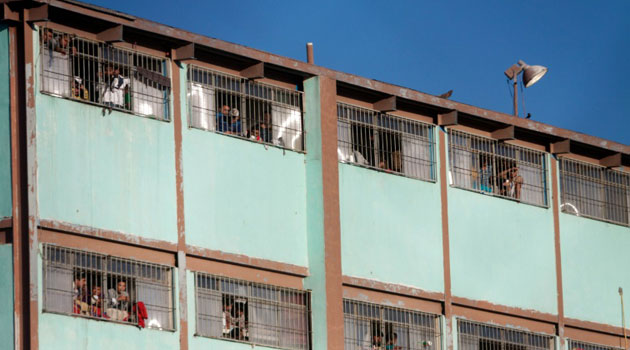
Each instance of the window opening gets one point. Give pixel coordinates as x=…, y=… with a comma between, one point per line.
x=251, y=312
x=93, y=285
x=243, y=108
x=373, y=326
x=385, y=142
x=487, y=166
x=99, y=73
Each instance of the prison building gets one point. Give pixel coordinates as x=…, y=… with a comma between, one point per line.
x=160, y=189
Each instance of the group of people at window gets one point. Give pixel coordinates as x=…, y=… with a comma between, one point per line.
x=235, y=320
x=229, y=121
x=89, y=299
x=502, y=179
x=91, y=81
x=386, y=155
x=380, y=339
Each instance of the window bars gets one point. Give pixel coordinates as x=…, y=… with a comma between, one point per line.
x=250, y=312
x=594, y=191
x=478, y=336
x=99, y=73
x=496, y=168
x=236, y=106
x=385, y=142
x=98, y=286
x=577, y=345
x=373, y=326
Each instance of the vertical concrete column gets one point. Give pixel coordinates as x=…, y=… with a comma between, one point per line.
x=555, y=204
x=31, y=189
x=16, y=186
x=446, y=249
x=323, y=227
x=177, y=94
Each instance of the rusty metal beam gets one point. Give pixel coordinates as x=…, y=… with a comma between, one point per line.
x=447, y=119
x=611, y=161
x=9, y=15
x=386, y=105
x=37, y=14
x=186, y=52
x=504, y=134
x=560, y=147
x=256, y=71
x=112, y=35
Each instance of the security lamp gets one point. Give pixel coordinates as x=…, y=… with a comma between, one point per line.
x=531, y=75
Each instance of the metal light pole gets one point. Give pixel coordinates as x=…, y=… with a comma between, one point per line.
x=531, y=74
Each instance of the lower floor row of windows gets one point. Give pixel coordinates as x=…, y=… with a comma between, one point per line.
x=127, y=291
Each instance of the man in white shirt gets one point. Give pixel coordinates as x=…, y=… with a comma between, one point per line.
x=113, y=88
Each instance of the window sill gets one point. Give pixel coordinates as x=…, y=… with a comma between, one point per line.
x=490, y=194
x=166, y=120
x=596, y=219
x=108, y=321
x=244, y=342
x=265, y=144
x=388, y=172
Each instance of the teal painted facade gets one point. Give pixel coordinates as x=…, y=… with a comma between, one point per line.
x=502, y=251
x=114, y=172
x=6, y=295
x=57, y=332
x=5, y=126
x=595, y=261
x=243, y=197
x=391, y=228
x=117, y=172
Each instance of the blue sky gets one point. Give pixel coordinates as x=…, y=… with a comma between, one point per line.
x=435, y=46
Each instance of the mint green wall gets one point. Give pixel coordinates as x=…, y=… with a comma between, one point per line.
x=595, y=261
x=242, y=197
x=5, y=126
x=502, y=251
x=204, y=343
x=391, y=228
x=62, y=332
x=113, y=172
x=6, y=295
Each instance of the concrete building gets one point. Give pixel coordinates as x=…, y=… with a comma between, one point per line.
x=164, y=190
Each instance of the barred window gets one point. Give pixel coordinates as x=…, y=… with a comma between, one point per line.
x=92, y=285
x=478, y=336
x=496, y=168
x=373, y=326
x=594, y=191
x=99, y=73
x=578, y=345
x=385, y=142
x=251, y=312
x=244, y=108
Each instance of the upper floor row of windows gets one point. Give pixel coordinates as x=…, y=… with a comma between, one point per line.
x=128, y=80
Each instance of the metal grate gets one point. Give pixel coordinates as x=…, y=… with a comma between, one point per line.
x=385, y=142
x=99, y=73
x=93, y=285
x=371, y=326
x=244, y=108
x=478, y=336
x=594, y=191
x=577, y=345
x=250, y=312
x=496, y=168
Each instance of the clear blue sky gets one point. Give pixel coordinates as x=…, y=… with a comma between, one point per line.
x=435, y=46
